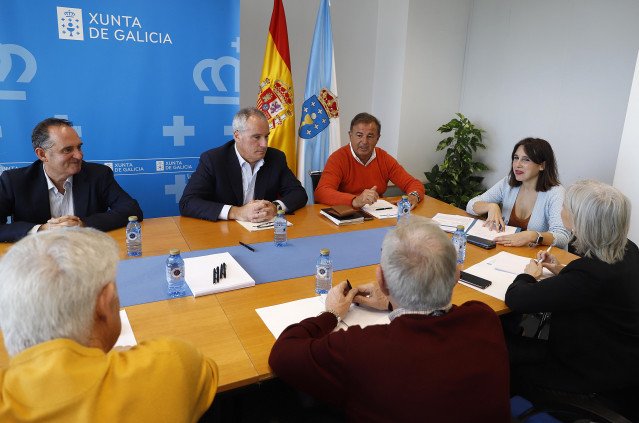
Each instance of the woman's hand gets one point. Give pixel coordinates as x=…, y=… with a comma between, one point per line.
x=519, y=239
x=549, y=261
x=494, y=220
x=534, y=269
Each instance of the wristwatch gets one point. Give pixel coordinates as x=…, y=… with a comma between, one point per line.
x=416, y=194
x=540, y=239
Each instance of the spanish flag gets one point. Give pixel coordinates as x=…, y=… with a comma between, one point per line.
x=276, y=88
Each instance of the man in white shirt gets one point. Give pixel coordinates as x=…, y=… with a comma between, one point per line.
x=243, y=179
x=60, y=189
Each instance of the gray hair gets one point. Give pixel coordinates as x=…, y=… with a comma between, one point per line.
x=239, y=121
x=40, y=137
x=601, y=218
x=50, y=283
x=419, y=264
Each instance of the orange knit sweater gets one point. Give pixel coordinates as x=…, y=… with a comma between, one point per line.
x=344, y=177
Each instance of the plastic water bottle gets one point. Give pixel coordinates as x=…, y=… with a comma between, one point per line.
x=133, y=237
x=176, y=285
x=459, y=241
x=403, y=207
x=324, y=272
x=279, y=227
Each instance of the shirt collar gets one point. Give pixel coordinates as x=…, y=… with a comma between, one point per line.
x=68, y=184
x=357, y=158
x=403, y=311
x=257, y=166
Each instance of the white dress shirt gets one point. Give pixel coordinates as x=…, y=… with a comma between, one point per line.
x=249, y=177
x=60, y=204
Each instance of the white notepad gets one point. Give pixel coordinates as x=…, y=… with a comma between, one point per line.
x=510, y=265
x=199, y=274
x=381, y=209
x=472, y=226
x=279, y=317
x=127, y=338
x=261, y=226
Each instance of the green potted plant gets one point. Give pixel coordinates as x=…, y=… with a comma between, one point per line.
x=454, y=181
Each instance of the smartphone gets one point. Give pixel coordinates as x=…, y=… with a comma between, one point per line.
x=474, y=280
x=481, y=242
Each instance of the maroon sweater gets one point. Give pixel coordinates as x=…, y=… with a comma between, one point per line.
x=451, y=368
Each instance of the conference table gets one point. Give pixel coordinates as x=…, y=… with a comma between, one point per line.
x=225, y=326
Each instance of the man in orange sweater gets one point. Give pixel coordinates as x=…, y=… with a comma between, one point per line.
x=358, y=173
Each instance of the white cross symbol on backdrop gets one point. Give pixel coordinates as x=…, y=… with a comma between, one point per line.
x=78, y=129
x=178, y=131
x=177, y=188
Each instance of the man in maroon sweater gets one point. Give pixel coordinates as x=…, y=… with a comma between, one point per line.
x=433, y=362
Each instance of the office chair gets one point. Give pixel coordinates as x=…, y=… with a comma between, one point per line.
x=612, y=407
x=315, y=177
x=608, y=407
x=544, y=318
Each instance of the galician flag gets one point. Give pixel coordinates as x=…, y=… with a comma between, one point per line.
x=319, y=124
x=276, y=99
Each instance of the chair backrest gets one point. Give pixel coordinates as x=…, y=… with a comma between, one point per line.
x=315, y=177
x=593, y=407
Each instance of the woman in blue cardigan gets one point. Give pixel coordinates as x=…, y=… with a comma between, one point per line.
x=531, y=199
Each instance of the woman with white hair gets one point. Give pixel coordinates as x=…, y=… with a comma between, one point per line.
x=593, y=345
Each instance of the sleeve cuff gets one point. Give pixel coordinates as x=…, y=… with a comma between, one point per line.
x=281, y=205
x=224, y=213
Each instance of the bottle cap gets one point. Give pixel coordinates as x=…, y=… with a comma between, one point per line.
x=325, y=251
x=133, y=218
x=174, y=251
x=280, y=211
x=404, y=197
x=460, y=227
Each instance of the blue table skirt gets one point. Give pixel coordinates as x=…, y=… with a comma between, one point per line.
x=142, y=280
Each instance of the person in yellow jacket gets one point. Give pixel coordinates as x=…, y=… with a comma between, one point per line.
x=59, y=315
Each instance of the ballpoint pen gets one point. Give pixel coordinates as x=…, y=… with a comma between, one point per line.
x=247, y=246
x=547, y=251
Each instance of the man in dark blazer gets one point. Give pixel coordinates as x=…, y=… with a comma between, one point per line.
x=243, y=179
x=60, y=189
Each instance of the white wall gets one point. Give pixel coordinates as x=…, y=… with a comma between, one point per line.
x=392, y=23
x=555, y=69
x=435, y=49
x=626, y=171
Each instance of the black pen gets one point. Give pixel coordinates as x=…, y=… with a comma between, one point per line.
x=384, y=208
x=247, y=246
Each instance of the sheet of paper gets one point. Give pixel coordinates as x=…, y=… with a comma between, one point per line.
x=449, y=222
x=501, y=280
x=262, y=226
x=279, y=317
x=381, y=209
x=127, y=338
x=199, y=274
x=478, y=229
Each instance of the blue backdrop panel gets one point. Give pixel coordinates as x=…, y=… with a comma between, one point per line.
x=149, y=84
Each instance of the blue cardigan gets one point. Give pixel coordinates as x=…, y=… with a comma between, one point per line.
x=545, y=217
